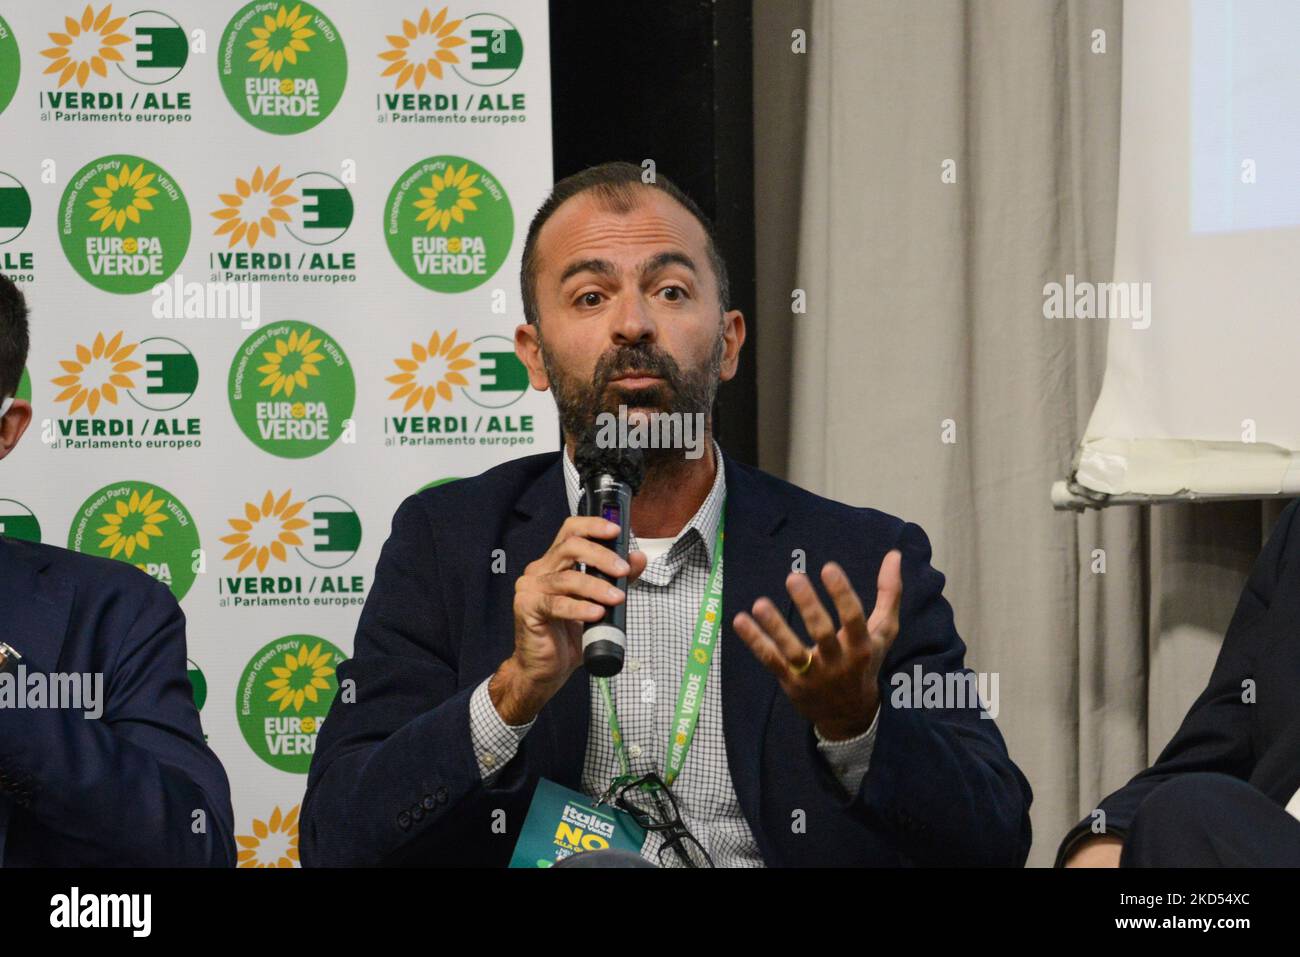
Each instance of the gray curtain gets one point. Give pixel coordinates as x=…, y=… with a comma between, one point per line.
x=923, y=379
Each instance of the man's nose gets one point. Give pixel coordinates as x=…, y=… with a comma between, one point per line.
x=632, y=323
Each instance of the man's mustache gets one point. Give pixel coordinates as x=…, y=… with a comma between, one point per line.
x=647, y=360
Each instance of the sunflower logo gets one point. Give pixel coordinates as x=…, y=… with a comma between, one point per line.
x=447, y=198
x=430, y=372
x=301, y=677
x=280, y=39
x=422, y=48
x=264, y=532
x=99, y=370
x=292, y=363
x=273, y=843
x=255, y=207
x=130, y=525
x=125, y=194
x=86, y=45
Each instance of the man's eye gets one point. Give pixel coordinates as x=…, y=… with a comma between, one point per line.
x=589, y=299
x=673, y=293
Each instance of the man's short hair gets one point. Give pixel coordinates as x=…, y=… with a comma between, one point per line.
x=13, y=336
x=616, y=186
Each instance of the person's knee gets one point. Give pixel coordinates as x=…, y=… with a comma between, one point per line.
x=1210, y=820
x=1177, y=823
x=1190, y=799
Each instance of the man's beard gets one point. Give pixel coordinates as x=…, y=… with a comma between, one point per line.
x=688, y=392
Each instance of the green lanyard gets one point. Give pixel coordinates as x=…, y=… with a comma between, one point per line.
x=691, y=696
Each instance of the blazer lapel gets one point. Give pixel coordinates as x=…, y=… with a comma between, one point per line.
x=756, y=562
x=563, y=723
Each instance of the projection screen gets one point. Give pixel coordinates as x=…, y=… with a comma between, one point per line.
x=1199, y=398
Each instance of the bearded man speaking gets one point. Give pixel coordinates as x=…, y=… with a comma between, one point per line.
x=473, y=735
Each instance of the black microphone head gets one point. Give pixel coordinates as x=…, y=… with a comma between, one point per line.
x=626, y=465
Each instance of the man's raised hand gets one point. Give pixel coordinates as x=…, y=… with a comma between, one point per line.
x=834, y=684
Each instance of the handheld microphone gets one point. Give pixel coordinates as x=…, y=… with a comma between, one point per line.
x=610, y=477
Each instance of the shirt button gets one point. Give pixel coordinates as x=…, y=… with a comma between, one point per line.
x=633, y=664
x=489, y=759
x=634, y=750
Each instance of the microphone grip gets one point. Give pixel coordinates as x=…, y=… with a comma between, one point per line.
x=604, y=641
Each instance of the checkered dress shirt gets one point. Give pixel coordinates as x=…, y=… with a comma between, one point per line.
x=662, y=606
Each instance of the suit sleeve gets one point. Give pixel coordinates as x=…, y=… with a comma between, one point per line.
x=139, y=785
x=941, y=783
x=1215, y=734
x=395, y=776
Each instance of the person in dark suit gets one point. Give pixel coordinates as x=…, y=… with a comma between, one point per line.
x=123, y=776
x=1225, y=791
x=466, y=686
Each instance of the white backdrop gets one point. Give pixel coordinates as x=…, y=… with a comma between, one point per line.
x=295, y=506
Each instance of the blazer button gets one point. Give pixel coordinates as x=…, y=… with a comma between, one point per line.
x=417, y=813
x=428, y=803
x=404, y=820
x=442, y=795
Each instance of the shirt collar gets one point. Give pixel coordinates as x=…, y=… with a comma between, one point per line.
x=704, y=521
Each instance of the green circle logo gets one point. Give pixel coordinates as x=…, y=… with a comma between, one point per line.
x=198, y=683
x=282, y=66
x=124, y=224
x=15, y=208
x=448, y=223
x=18, y=521
x=283, y=697
x=24, y=386
x=291, y=389
x=496, y=54
x=143, y=524
x=10, y=64
x=436, y=482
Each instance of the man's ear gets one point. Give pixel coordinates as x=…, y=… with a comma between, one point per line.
x=528, y=347
x=14, y=424
x=733, y=336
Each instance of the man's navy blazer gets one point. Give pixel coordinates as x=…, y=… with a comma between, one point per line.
x=1246, y=723
x=122, y=789
x=394, y=779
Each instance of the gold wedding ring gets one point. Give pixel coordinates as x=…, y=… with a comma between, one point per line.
x=801, y=668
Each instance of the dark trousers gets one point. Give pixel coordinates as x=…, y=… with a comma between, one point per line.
x=1211, y=820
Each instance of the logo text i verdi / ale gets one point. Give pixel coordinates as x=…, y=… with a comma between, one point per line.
x=124, y=224
x=451, y=69
x=288, y=551
x=105, y=66
x=292, y=390
x=119, y=393
x=274, y=226
x=429, y=378
x=282, y=65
